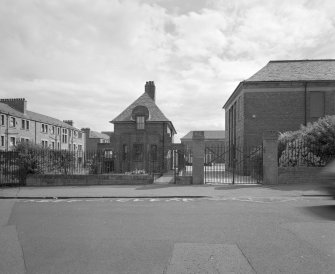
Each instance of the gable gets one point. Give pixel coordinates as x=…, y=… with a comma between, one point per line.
x=155, y=114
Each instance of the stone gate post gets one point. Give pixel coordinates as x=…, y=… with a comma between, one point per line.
x=270, y=157
x=198, y=151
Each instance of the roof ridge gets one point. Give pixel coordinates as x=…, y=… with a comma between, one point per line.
x=300, y=60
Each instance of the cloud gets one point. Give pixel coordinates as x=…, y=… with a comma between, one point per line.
x=88, y=60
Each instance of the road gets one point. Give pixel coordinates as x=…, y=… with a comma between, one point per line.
x=208, y=235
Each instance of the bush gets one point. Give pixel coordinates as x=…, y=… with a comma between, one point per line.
x=312, y=145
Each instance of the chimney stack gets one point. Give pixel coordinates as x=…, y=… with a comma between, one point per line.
x=19, y=104
x=150, y=89
x=69, y=122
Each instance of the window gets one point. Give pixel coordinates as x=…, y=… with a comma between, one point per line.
x=44, y=144
x=53, y=130
x=44, y=128
x=12, y=141
x=64, y=136
x=124, y=152
x=74, y=147
x=53, y=145
x=58, y=145
x=138, y=152
x=58, y=131
x=24, y=140
x=168, y=131
x=140, y=122
x=317, y=104
x=12, y=122
x=2, y=141
x=75, y=133
x=2, y=120
x=153, y=152
x=80, y=135
x=25, y=124
x=80, y=147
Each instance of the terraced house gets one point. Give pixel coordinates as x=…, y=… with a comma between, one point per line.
x=17, y=124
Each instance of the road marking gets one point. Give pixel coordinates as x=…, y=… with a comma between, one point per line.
x=173, y=199
x=263, y=200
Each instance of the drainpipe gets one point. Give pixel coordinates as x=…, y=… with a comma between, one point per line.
x=35, y=131
x=305, y=85
x=7, y=133
x=163, y=154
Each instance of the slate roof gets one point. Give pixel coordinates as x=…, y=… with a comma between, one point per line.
x=290, y=70
x=155, y=114
x=208, y=135
x=30, y=115
x=296, y=70
x=95, y=134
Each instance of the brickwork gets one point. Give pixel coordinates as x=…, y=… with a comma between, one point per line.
x=299, y=175
x=73, y=180
x=271, y=111
x=153, y=134
x=141, y=128
x=274, y=106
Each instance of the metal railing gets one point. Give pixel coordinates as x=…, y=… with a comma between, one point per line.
x=15, y=166
x=305, y=153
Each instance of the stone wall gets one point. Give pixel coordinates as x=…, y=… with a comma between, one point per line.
x=299, y=175
x=102, y=179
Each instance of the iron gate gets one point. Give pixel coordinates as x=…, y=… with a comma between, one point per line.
x=233, y=165
x=182, y=163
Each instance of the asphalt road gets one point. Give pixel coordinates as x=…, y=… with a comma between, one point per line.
x=218, y=235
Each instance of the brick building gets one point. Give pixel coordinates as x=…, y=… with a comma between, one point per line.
x=211, y=138
x=94, y=139
x=280, y=97
x=143, y=135
x=17, y=124
x=214, y=145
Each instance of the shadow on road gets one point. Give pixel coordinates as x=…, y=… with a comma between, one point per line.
x=146, y=187
x=233, y=187
x=323, y=211
x=302, y=187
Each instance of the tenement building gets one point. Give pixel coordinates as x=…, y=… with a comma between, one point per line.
x=17, y=124
x=143, y=135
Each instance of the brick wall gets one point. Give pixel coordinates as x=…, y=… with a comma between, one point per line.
x=272, y=111
x=153, y=134
x=72, y=180
x=277, y=106
x=299, y=175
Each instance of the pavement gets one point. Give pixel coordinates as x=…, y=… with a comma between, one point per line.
x=162, y=191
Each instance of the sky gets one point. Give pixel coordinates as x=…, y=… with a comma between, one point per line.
x=86, y=61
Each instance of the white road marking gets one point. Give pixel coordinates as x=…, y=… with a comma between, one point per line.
x=262, y=200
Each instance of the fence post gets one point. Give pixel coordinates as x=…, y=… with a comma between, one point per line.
x=270, y=157
x=198, y=151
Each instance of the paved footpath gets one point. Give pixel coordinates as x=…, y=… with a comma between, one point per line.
x=161, y=191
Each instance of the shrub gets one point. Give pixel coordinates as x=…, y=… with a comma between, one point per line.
x=311, y=145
